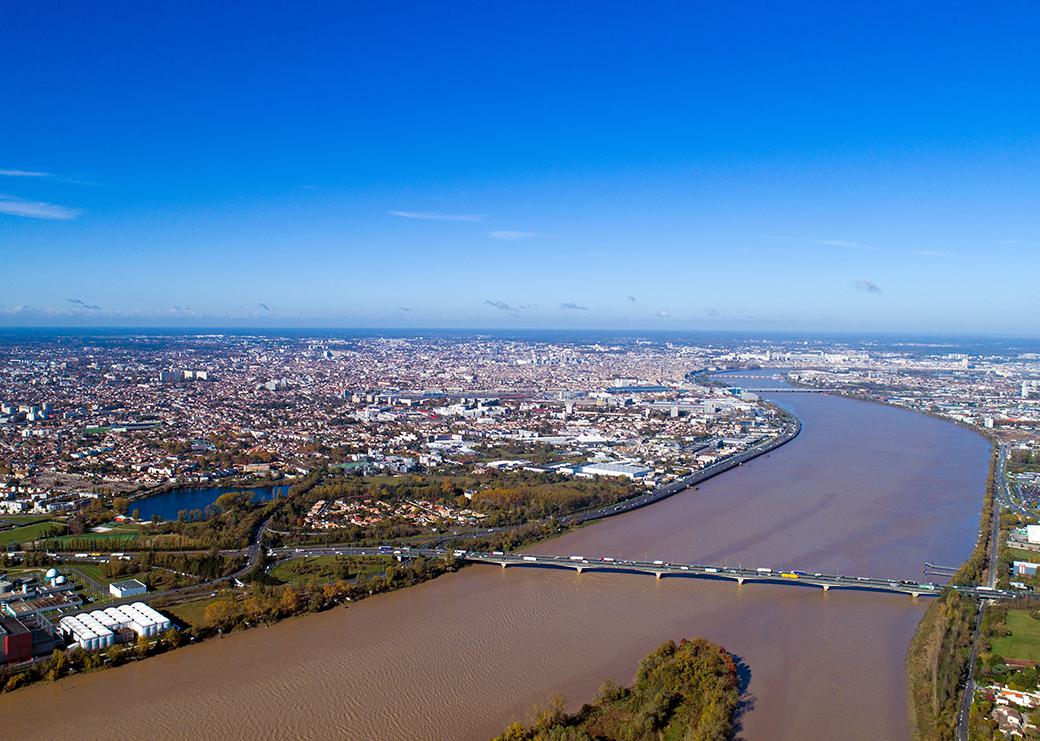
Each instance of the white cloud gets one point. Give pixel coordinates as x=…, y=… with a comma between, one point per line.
x=930, y=253
x=847, y=244
x=435, y=216
x=24, y=174
x=507, y=234
x=14, y=206
x=663, y=314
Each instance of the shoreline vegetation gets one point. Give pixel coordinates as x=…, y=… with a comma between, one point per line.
x=691, y=691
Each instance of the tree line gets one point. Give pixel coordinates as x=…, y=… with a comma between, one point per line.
x=690, y=690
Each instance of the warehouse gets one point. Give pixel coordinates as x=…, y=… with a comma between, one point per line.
x=86, y=632
x=101, y=628
x=127, y=588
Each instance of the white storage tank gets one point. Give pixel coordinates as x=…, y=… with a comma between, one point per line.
x=117, y=617
x=161, y=621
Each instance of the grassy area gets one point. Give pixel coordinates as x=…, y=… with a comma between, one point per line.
x=120, y=527
x=77, y=572
x=100, y=540
x=93, y=570
x=6, y=520
x=1024, y=641
x=190, y=613
x=324, y=569
x=29, y=533
x=1017, y=554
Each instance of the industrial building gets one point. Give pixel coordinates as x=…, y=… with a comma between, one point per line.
x=127, y=588
x=1024, y=568
x=15, y=641
x=624, y=470
x=101, y=628
x=25, y=636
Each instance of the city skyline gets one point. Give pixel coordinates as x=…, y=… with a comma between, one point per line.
x=480, y=167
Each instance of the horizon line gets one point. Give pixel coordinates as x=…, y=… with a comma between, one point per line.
x=584, y=330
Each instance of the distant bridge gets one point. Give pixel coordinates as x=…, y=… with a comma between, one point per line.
x=726, y=376
x=791, y=390
x=660, y=569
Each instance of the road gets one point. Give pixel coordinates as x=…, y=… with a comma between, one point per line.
x=1001, y=499
x=658, y=568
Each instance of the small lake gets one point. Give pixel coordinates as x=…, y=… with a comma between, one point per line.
x=169, y=503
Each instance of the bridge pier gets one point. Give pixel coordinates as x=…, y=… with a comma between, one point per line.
x=740, y=581
x=826, y=587
x=504, y=564
x=658, y=574
x=914, y=595
x=579, y=569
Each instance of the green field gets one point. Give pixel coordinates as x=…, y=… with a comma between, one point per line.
x=21, y=519
x=190, y=613
x=92, y=570
x=99, y=540
x=1024, y=641
x=1017, y=554
x=29, y=533
x=325, y=569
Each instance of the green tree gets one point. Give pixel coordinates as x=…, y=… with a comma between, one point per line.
x=234, y=501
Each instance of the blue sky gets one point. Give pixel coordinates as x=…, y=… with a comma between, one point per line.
x=806, y=166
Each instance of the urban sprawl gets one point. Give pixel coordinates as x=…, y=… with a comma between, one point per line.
x=424, y=437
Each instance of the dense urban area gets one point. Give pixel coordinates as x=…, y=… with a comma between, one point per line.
x=160, y=489
x=302, y=442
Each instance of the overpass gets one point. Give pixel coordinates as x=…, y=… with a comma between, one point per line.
x=659, y=569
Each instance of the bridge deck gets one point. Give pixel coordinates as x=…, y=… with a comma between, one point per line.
x=661, y=569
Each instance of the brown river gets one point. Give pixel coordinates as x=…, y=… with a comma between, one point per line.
x=864, y=490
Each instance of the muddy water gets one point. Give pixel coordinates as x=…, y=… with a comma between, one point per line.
x=864, y=490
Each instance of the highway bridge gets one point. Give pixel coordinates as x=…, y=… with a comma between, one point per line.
x=659, y=569
x=791, y=390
